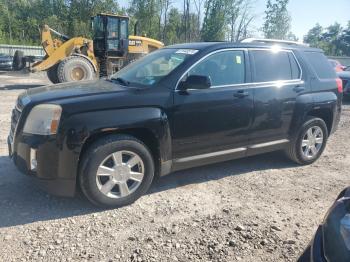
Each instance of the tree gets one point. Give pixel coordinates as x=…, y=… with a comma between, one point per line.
x=214, y=20
x=239, y=18
x=314, y=36
x=334, y=39
x=146, y=12
x=174, y=26
x=277, y=19
x=332, y=36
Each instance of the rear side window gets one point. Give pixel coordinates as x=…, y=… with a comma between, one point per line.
x=274, y=66
x=321, y=65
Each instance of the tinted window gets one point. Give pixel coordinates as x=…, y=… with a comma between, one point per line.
x=271, y=66
x=296, y=73
x=223, y=68
x=320, y=64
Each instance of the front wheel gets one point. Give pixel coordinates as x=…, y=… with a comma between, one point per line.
x=75, y=68
x=115, y=171
x=310, y=142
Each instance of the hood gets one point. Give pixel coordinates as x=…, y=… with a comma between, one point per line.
x=72, y=90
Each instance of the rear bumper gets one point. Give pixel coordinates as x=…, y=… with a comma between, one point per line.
x=50, y=173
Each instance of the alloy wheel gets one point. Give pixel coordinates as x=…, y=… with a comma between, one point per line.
x=120, y=174
x=312, y=142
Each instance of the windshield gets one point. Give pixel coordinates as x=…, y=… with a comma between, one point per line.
x=152, y=68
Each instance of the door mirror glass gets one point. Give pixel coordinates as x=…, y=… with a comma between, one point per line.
x=195, y=82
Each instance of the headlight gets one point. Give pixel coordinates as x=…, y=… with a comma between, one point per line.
x=43, y=120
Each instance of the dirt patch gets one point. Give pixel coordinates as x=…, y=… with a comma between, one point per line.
x=262, y=208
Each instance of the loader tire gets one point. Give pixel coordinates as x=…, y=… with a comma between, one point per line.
x=18, y=60
x=52, y=74
x=75, y=68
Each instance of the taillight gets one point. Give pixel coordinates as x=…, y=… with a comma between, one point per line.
x=339, y=85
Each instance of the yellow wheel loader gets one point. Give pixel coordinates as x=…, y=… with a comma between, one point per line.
x=78, y=58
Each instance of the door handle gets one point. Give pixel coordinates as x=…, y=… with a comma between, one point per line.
x=299, y=89
x=241, y=94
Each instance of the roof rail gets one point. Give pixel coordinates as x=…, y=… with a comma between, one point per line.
x=276, y=41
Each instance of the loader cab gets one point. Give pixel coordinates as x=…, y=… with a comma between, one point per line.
x=110, y=35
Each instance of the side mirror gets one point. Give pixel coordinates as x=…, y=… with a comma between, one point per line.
x=195, y=82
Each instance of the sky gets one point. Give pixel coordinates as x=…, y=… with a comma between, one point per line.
x=305, y=13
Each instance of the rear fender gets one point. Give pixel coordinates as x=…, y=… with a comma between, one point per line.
x=308, y=104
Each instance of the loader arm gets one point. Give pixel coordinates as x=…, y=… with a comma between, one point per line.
x=56, y=50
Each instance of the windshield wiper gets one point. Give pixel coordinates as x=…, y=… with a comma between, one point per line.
x=120, y=80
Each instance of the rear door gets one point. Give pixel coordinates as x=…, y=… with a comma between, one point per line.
x=215, y=119
x=277, y=78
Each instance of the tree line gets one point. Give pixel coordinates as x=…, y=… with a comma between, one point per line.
x=170, y=21
x=334, y=39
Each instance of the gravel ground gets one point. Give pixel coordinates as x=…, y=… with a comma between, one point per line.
x=262, y=208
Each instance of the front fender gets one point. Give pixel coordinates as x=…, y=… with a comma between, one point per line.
x=78, y=128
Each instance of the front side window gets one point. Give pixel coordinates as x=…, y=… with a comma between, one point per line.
x=150, y=69
x=223, y=68
x=273, y=66
x=97, y=25
x=112, y=33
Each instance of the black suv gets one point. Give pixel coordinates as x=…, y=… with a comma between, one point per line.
x=182, y=106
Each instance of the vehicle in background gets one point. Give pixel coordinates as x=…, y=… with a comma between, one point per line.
x=70, y=59
x=337, y=65
x=331, y=242
x=345, y=77
x=179, y=107
x=6, y=62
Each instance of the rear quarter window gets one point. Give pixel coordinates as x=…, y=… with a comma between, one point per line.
x=321, y=65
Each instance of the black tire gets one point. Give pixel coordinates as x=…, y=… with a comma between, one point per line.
x=18, y=60
x=75, y=68
x=294, y=150
x=97, y=153
x=52, y=74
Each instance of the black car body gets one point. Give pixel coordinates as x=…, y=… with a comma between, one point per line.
x=345, y=77
x=6, y=62
x=248, y=110
x=332, y=239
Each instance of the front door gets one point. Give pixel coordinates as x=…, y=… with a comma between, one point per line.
x=213, y=121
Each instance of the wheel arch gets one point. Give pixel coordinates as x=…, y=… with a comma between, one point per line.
x=148, y=124
x=321, y=105
x=325, y=114
x=145, y=135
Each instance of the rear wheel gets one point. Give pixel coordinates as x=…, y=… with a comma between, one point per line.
x=116, y=171
x=52, y=74
x=75, y=68
x=18, y=60
x=309, y=143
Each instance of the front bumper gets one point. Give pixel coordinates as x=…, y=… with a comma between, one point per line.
x=51, y=172
x=7, y=67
